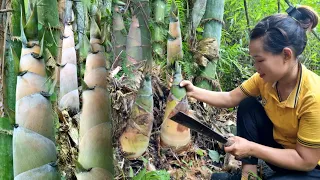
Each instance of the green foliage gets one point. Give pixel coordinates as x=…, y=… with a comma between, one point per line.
x=214, y=155
x=187, y=64
x=181, y=5
x=152, y=175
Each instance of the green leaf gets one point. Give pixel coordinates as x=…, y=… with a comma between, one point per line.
x=23, y=35
x=53, y=97
x=214, y=155
x=157, y=175
x=85, y=48
x=199, y=29
x=131, y=172
x=6, y=166
x=200, y=152
x=31, y=27
x=140, y=175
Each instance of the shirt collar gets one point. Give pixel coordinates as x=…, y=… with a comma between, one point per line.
x=293, y=97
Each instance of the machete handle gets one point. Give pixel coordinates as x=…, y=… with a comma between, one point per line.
x=229, y=143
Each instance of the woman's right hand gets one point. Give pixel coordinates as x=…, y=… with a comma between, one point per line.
x=188, y=85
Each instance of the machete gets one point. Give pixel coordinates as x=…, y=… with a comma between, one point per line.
x=197, y=126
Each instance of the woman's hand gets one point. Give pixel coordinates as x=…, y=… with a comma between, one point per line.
x=188, y=85
x=241, y=147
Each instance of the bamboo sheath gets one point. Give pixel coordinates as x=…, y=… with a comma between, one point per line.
x=34, y=152
x=174, y=43
x=135, y=139
x=172, y=134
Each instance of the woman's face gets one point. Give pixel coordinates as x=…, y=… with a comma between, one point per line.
x=270, y=67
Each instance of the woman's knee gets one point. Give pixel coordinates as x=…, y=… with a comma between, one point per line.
x=247, y=105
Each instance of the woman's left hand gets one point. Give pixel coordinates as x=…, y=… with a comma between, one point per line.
x=241, y=147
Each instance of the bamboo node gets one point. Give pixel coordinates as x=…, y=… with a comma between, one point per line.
x=212, y=19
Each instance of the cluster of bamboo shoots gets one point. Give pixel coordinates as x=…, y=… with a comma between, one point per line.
x=173, y=134
x=69, y=95
x=34, y=151
x=135, y=139
x=95, y=147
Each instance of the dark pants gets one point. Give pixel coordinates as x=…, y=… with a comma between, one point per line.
x=254, y=125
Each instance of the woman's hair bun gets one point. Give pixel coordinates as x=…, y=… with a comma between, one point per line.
x=309, y=17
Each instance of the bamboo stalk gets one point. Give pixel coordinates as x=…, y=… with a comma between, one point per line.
x=247, y=14
x=69, y=95
x=95, y=147
x=159, y=7
x=212, y=33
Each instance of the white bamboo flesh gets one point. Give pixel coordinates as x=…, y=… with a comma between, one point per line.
x=70, y=100
x=68, y=79
x=43, y=172
x=95, y=109
x=96, y=77
x=34, y=112
x=34, y=49
x=32, y=142
x=96, y=147
x=172, y=137
x=31, y=150
x=69, y=95
x=175, y=50
x=94, y=61
x=68, y=42
x=30, y=83
x=31, y=64
x=69, y=56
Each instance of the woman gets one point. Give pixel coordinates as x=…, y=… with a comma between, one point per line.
x=284, y=129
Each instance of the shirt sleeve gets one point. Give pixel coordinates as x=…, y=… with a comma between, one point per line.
x=309, y=125
x=250, y=87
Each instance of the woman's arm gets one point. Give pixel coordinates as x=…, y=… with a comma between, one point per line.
x=301, y=158
x=213, y=98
